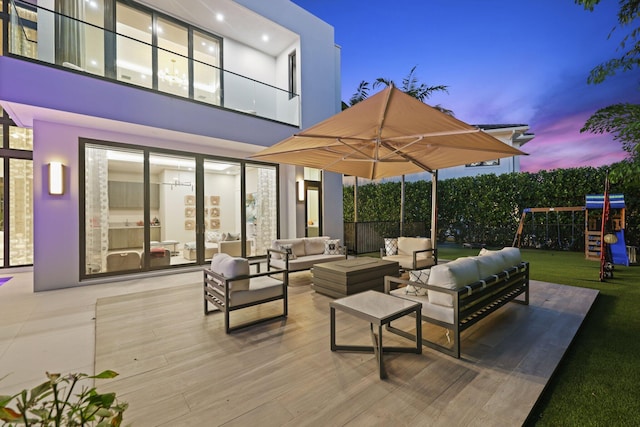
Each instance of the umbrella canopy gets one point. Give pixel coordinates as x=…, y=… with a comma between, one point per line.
x=388, y=134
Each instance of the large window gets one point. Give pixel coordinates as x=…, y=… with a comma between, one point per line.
x=173, y=65
x=134, y=52
x=147, y=210
x=206, y=68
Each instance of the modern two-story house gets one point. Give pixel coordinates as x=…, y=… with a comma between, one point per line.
x=127, y=125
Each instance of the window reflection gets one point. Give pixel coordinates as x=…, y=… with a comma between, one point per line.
x=261, y=207
x=21, y=212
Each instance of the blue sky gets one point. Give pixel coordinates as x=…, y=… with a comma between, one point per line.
x=505, y=61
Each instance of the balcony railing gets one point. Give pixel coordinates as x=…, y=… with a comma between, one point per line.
x=50, y=37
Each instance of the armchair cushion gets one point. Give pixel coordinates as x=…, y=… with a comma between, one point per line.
x=262, y=288
x=407, y=245
x=231, y=267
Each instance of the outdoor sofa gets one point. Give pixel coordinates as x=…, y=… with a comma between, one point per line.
x=458, y=294
x=303, y=252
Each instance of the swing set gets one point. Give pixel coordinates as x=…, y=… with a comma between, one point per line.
x=543, y=234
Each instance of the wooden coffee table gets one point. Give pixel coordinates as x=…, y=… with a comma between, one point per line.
x=349, y=276
x=378, y=309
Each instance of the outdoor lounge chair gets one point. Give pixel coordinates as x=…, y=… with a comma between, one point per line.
x=229, y=286
x=412, y=253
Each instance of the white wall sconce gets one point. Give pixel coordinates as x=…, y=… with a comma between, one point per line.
x=56, y=178
x=301, y=191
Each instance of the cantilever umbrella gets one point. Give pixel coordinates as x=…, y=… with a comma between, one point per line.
x=388, y=134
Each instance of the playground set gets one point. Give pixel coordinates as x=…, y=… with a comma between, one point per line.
x=604, y=224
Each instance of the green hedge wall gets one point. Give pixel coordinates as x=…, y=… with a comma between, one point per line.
x=487, y=208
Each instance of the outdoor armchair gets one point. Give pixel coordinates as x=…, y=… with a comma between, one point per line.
x=412, y=253
x=229, y=286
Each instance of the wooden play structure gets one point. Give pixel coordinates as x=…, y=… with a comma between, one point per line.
x=555, y=235
x=594, y=224
x=551, y=234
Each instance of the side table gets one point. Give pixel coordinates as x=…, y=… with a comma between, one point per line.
x=378, y=309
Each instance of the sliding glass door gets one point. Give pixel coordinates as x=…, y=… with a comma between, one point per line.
x=146, y=209
x=173, y=209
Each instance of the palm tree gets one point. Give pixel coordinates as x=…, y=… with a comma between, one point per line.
x=409, y=86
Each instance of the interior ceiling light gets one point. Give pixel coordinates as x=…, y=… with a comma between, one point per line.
x=265, y=38
x=219, y=17
x=173, y=77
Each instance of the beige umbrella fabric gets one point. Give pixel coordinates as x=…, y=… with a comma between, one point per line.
x=388, y=134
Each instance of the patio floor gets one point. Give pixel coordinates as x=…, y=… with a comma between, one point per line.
x=178, y=367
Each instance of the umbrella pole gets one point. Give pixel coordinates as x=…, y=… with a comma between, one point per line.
x=402, y=207
x=355, y=215
x=434, y=209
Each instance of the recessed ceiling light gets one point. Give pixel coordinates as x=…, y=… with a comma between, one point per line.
x=265, y=38
x=219, y=17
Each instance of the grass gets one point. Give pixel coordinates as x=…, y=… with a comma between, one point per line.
x=597, y=382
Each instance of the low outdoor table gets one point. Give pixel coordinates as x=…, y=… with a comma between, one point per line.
x=379, y=309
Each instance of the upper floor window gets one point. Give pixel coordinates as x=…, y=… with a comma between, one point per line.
x=293, y=74
x=487, y=163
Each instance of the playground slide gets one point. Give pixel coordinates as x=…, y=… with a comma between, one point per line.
x=619, y=250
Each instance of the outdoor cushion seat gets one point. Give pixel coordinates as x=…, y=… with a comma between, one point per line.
x=305, y=252
x=229, y=285
x=461, y=292
x=412, y=253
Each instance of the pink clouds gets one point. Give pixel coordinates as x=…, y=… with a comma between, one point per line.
x=560, y=145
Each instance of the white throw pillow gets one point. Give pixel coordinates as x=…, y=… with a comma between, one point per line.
x=213, y=236
x=230, y=267
x=332, y=247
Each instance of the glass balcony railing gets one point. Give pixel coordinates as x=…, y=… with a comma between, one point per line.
x=128, y=55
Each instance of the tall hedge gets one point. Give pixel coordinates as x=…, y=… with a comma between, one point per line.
x=487, y=208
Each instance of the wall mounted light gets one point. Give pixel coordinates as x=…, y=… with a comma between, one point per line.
x=301, y=191
x=56, y=178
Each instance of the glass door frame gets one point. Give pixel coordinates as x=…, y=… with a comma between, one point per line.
x=200, y=230
x=309, y=186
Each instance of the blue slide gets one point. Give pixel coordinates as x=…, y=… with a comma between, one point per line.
x=619, y=250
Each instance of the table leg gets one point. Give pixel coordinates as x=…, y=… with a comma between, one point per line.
x=332, y=316
x=418, y=330
x=381, y=370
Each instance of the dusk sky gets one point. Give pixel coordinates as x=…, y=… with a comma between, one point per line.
x=504, y=61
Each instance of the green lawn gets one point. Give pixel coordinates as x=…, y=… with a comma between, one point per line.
x=598, y=381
